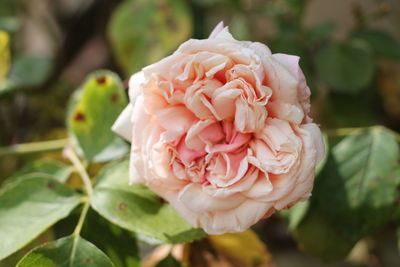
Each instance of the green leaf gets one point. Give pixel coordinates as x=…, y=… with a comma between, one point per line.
x=169, y=261
x=54, y=168
x=136, y=208
x=91, y=114
x=381, y=42
x=66, y=252
x=317, y=237
x=119, y=244
x=29, y=70
x=28, y=207
x=346, y=67
x=356, y=190
x=156, y=28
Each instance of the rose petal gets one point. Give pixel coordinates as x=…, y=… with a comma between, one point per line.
x=123, y=125
x=196, y=200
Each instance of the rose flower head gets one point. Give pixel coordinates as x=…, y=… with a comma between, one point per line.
x=221, y=130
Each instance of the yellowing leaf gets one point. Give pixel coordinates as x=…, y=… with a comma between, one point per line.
x=4, y=55
x=242, y=249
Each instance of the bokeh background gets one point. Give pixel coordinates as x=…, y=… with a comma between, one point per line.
x=349, y=49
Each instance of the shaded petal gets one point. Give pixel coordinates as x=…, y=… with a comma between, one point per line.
x=261, y=187
x=176, y=119
x=236, y=220
x=198, y=201
x=241, y=186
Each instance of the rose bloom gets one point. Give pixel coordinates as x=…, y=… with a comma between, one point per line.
x=221, y=130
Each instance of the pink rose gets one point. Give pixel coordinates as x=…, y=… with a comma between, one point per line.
x=221, y=130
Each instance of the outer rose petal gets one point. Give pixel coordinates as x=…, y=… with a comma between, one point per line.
x=216, y=30
x=237, y=220
x=297, y=184
x=196, y=200
x=303, y=91
x=123, y=125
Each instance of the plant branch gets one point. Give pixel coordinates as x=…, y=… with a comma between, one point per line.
x=34, y=147
x=81, y=220
x=71, y=155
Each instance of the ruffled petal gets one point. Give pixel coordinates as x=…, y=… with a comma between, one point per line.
x=123, y=125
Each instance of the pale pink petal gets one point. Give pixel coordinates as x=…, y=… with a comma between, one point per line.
x=193, y=139
x=176, y=119
x=135, y=83
x=241, y=186
x=239, y=140
x=224, y=102
x=297, y=183
x=188, y=155
x=217, y=29
x=228, y=169
x=261, y=187
x=196, y=200
x=123, y=125
x=236, y=220
x=276, y=147
x=197, y=97
x=303, y=92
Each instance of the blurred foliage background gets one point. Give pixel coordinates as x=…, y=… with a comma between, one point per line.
x=349, y=49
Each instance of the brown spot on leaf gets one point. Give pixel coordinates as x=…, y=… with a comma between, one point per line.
x=114, y=98
x=79, y=116
x=88, y=260
x=162, y=200
x=171, y=23
x=101, y=80
x=51, y=185
x=122, y=206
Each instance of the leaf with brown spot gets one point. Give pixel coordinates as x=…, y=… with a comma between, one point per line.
x=91, y=116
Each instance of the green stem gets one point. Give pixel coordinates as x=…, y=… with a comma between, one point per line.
x=35, y=147
x=71, y=155
x=342, y=132
x=81, y=220
x=78, y=230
